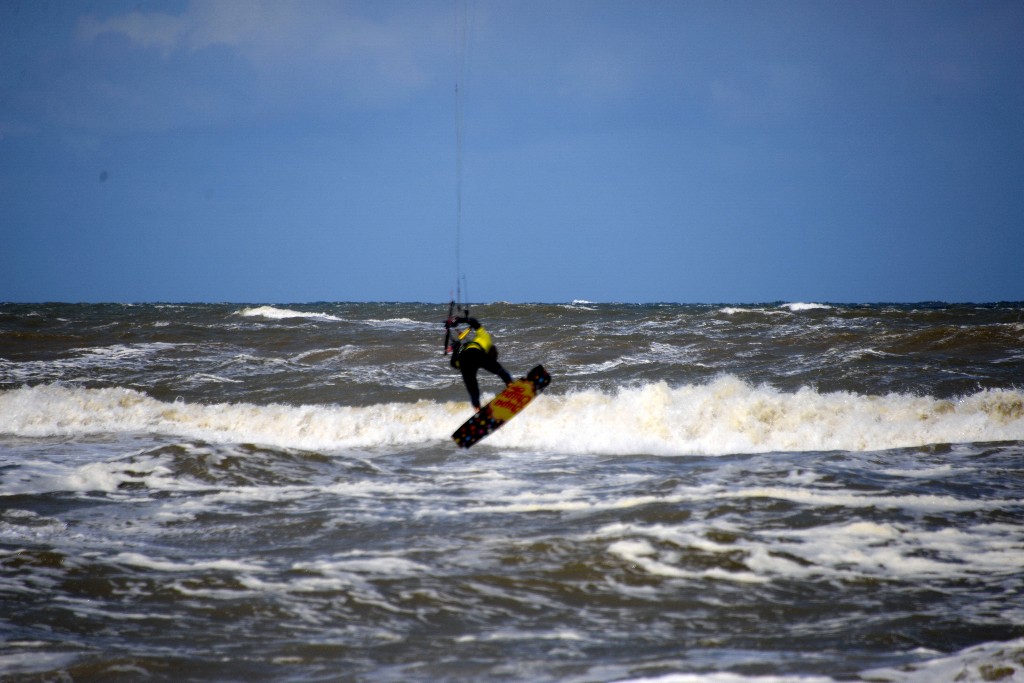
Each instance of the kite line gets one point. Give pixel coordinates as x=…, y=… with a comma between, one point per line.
x=461, y=47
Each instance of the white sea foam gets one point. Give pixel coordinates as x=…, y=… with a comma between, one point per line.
x=122, y=352
x=858, y=549
x=347, y=565
x=723, y=417
x=727, y=678
x=139, y=560
x=644, y=555
x=34, y=661
x=107, y=476
x=731, y=416
x=981, y=663
x=399, y=324
x=205, y=377
x=274, y=313
x=319, y=355
x=27, y=525
x=799, y=306
x=54, y=410
x=508, y=635
x=83, y=361
x=736, y=310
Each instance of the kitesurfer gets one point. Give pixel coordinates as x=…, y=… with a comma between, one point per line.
x=470, y=356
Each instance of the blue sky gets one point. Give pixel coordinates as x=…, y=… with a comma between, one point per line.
x=258, y=151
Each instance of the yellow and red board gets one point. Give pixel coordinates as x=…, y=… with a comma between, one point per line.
x=502, y=407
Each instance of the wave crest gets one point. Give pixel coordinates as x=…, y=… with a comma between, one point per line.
x=726, y=416
x=282, y=313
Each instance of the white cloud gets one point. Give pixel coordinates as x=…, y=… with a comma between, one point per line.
x=353, y=49
x=161, y=31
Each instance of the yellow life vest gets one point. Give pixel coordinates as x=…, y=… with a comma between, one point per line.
x=481, y=340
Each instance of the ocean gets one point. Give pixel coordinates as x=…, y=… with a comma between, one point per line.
x=770, y=493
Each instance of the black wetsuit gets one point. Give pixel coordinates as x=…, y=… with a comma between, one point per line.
x=471, y=357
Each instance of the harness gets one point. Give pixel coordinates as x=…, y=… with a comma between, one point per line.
x=481, y=340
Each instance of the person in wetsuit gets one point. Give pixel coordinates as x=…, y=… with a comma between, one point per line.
x=478, y=352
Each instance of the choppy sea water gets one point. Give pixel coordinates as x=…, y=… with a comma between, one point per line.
x=720, y=494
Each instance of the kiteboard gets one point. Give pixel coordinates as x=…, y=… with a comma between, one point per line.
x=502, y=407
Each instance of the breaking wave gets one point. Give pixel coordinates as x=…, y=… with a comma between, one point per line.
x=273, y=313
x=725, y=416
